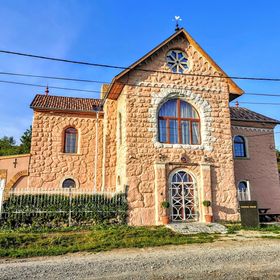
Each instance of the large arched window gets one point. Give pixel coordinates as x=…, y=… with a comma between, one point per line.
x=178, y=122
x=239, y=146
x=243, y=191
x=70, y=140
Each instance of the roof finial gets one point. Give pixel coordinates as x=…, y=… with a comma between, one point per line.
x=177, y=19
x=236, y=104
x=47, y=90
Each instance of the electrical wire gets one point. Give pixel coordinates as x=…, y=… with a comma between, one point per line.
x=136, y=69
x=98, y=82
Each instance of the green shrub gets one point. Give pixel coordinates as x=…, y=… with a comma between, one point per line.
x=206, y=203
x=51, y=210
x=165, y=204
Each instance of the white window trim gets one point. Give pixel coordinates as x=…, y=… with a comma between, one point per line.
x=198, y=102
x=248, y=189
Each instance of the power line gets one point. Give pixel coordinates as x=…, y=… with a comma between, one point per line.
x=138, y=69
x=52, y=77
x=259, y=103
x=104, y=82
x=44, y=86
x=96, y=91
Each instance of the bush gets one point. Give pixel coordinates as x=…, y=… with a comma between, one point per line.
x=51, y=210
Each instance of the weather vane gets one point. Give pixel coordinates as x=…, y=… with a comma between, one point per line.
x=177, y=19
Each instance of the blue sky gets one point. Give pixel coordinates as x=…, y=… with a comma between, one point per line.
x=241, y=36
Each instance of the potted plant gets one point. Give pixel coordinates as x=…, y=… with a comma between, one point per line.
x=208, y=216
x=165, y=218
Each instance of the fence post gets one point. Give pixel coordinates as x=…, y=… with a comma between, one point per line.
x=2, y=184
x=70, y=208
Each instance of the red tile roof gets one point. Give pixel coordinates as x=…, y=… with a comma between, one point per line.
x=74, y=104
x=244, y=114
x=62, y=103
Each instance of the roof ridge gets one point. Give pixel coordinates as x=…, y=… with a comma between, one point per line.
x=61, y=96
x=66, y=103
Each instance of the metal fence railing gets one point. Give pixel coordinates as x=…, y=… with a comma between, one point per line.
x=56, y=207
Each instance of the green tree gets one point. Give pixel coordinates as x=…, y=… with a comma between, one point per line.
x=25, y=141
x=8, y=146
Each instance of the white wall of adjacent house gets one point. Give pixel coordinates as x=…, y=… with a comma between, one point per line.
x=2, y=185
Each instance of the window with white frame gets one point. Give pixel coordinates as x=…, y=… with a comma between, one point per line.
x=243, y=191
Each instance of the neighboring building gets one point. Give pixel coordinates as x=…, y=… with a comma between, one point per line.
x=162, y=129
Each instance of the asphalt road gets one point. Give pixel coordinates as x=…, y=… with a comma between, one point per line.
x=257, y=259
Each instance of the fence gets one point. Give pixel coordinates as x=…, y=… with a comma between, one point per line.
x=62, y=207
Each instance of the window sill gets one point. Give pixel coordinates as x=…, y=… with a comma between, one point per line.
x=241, y=158
x=185, y=146
x=69, y=154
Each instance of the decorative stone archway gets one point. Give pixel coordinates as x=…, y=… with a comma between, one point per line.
x=198, y=102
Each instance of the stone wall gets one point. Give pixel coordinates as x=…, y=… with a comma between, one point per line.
x=259, y=168
x=49, y=166
x=109, y=145
x=210, y=97
x=121, y=144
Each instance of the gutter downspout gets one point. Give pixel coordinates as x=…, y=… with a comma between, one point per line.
x=96, y=152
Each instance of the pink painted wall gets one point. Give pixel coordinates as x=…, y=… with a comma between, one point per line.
x=260, y=168
x=6, y=163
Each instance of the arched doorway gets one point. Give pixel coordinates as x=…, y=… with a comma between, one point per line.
x=182, y=193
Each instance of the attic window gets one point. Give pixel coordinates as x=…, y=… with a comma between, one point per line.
x=177, y=61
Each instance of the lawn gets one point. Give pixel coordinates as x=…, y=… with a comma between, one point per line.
x=235, y=228
x=30, y=243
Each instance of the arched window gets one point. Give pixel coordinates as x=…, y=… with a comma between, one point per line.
x=243, y=191
x=68, y=183
x=70, y=140
x=178, y=122
x=239, y=146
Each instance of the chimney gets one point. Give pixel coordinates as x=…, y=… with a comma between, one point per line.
x=47, y=90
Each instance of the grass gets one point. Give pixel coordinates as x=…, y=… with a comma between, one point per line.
x=234, y=228
x=46, y=243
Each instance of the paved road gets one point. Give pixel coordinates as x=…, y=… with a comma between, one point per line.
x=259, y=259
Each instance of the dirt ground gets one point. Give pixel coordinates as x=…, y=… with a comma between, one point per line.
x=225, y=259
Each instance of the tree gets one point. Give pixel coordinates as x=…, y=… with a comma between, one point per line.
x=8, y=146
x=26, y=141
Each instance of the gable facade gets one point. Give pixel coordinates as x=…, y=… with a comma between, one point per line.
x=119, y=144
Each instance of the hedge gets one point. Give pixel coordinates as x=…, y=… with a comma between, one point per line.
x=51, y=210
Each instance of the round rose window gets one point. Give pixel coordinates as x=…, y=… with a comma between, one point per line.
x=177, y=61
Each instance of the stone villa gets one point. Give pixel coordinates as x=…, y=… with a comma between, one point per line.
x=163, y=130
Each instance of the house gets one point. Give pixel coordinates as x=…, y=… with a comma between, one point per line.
x=164, y=130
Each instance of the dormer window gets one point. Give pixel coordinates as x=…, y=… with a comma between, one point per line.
x=177, y=61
